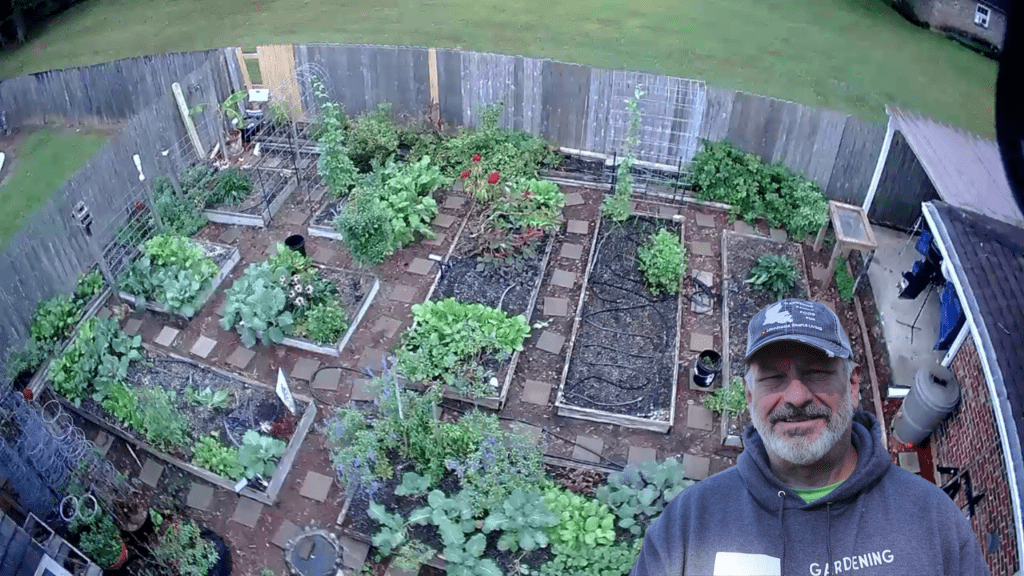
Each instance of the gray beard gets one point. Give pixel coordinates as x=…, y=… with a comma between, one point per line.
x=800, y=450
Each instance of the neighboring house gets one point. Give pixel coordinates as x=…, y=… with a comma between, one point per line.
x=977, y=450
x=979, y=25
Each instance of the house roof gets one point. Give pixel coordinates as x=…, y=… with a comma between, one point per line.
x=1001, y=5
x=987, y=257
x=19, y=554
x=966, y=170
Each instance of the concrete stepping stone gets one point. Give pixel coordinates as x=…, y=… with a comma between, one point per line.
x=577, y=227
x=247, y=512
x=639, y=454
x=444, y=220
x=778, y=234
x=819, y=273
x=327, y=380
x=104, y=313
x=324, y=255
x=200, y=496
x=151, y=472
x=402, y=293
x=437, y=240
x=588, y=449
x=563, y=278
x=667, y=211
x=285, y=532
x=701, y=342
x=241, y=357
x=571, y=251
x=699, y=417
x=573, y=199
x=305, y=367
x=371, y=358
x=696, y=467
x=167, y=336
x=743, y=228
x=556, y=306
x=353, y=553
x=454, y=202
x=705, y=220
x=203, y=347
x=551, y=342
x=363, y=391
x=535, y=432
x=316, y=486
x=389, y=326
x=230, y=235
x=420, y=266
x=702, y=305
x=296, y=218
x=103, y=442
x=536, y=392
x=701, y=248
x=132, y=326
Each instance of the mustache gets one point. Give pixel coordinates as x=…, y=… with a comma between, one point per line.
x=787, y=411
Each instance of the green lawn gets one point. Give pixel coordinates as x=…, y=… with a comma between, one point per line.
x=853, y=55
x=41, y=164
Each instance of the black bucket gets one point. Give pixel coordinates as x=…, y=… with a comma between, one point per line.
x=296, y=242
x=706, y=367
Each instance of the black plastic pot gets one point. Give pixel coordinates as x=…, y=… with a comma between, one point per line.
x=706, y=367
x=296, y=242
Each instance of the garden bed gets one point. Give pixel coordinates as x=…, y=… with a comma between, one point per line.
x=356, y=291
x=322, y=223
x=622, y=334
x=254, y=405
x=38, y=381
x=271, y=188
x=224, y=256
x=514, y=290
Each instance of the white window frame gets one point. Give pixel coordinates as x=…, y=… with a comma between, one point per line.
x=981, y=15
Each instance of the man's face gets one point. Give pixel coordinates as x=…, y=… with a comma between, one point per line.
x=801, y=401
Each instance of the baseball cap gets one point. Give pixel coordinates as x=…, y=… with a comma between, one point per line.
x=811, y=323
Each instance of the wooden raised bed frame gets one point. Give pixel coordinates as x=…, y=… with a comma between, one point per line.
x=592, y=414
x=263, y=217
x=268, y=496
x=38, y=381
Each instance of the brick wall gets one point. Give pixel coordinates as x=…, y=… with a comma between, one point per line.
x=959, y=15
x=969, y=440
x=917, y=11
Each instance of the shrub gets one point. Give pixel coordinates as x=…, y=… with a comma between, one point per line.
x=662, y=261
x=366, y=228
x=100, y=540
x=25, y=360
x=180, y=216
x=774, y=273
x=325, y=323
x=729, y=399
x=373, y=138
x=723, y=173
x=179, y=550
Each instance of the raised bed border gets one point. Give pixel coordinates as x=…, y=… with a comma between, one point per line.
x=494, y=402
x=38, y=381
x=335, y=350
x=215, y=282
x=269, y=496
x=322, y=231
x=260, y=220
x=593, y=414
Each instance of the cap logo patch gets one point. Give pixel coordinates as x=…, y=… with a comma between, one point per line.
x=776, y=315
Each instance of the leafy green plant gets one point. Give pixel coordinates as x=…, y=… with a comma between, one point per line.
x=161, y=423
x=517, y=220
x=450, y=341
x=172, y=270
x=232, y=187
x=23, y=361
x=259, y=454
x=209, y=398
x=334, y=166
x=54, y=319
x=844, y=280
x=774, y=273
x=366, y=228
x=101, y=541
x=255, y=304
x=729, y=399
x=523, y=520
x=88, y=285
x=325, y=323
x=180, y=550
x=213, y=455
x=122, y=403
x=230, y=108
x=638, y=494
x=407, y=191
x=99, y=355
x=465, y=557
x=663, y=261
x=413, y=484
x=606, y=560
x=723, y=173
x=582, y=522
x=373, y=138
x=616, y=207
x=280, y=112
x=393, y=531
x=453, y=517
x=179, y=215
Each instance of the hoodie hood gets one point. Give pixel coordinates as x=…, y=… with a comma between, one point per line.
x=872, y=464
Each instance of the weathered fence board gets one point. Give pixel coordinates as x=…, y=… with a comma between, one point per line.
x=903, y=187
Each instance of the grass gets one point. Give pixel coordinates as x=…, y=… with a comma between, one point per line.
x=41, y=163
x=852, y=55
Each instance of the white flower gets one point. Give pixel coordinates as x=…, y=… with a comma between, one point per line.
x=309, y=289
x=296, y=280
x=300, y=301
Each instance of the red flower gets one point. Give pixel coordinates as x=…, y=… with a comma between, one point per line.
x=527, y=194
x=476, y=157
x=493, y=178
x=465, y=174
x=27, y=394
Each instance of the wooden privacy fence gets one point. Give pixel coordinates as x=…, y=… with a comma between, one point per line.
x=573, y=106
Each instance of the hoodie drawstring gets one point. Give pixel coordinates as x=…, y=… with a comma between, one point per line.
x=782, y=529
x=828, y=531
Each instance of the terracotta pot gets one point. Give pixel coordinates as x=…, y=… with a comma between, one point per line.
x=121, y=559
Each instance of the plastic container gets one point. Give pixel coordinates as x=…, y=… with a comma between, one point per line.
x=930, y=400
x=296, y=242
x=706, y=368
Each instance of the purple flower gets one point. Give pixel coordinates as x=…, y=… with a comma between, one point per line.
x=394, y=436
x=356, y=462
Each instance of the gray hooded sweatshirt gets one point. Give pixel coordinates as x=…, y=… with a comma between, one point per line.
x=745, y=521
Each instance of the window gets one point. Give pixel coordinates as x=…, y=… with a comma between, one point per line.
x=981, y=16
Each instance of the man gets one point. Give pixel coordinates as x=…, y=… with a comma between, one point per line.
x=814, y=493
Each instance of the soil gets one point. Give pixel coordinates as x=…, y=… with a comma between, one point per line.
x=581, y=169
x=624, y=359
x=326, y=216
x=744, y=300
x=250, y=408
x=352, y=287
x=219, y=253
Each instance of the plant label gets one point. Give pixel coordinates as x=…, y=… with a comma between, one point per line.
x=284, y=392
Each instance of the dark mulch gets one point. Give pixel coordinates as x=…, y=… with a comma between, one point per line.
x=624, y=358
x=468, y=279
x=352, y=287
x=325, y=216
